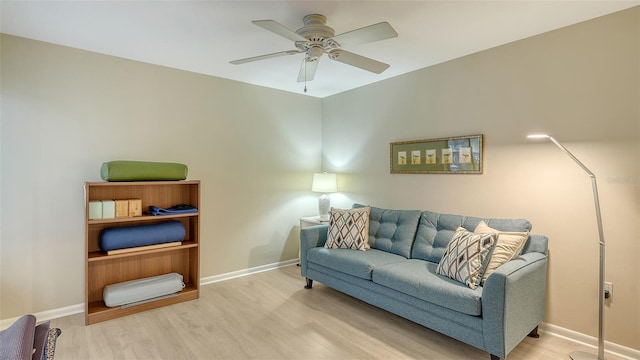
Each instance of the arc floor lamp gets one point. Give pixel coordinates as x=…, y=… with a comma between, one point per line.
x=580, y=355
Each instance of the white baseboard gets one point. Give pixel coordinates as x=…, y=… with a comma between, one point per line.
x=550, y=329
x=48, y=315
x=590, y=341
x=79, y=308
x=245, y=272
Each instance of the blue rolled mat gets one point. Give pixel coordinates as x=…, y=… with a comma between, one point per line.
x=141, y=235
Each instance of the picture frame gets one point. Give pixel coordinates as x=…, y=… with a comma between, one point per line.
x=448, y=155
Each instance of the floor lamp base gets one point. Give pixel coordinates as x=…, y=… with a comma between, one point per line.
x=581, y=355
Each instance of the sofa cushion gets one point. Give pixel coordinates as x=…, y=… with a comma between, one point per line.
x=353, y=262
x=508, y=246
x=392, y=230
x=418, y=278
x=436, y=230
x=348, y=229
x=467, y=256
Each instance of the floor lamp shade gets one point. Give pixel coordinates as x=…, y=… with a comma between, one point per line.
x=324, y=183
x=580, y=355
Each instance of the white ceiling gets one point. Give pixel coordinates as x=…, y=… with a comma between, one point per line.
x=203, y=36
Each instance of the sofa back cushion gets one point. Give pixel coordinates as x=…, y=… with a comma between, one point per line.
x=436, y=230
x=392, y=230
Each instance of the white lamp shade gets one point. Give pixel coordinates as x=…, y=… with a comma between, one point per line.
x=324, y=183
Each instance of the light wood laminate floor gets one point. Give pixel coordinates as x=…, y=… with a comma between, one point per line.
x=270, y=315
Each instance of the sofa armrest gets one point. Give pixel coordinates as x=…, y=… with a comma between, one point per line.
x=513, y=302
x=310, y=237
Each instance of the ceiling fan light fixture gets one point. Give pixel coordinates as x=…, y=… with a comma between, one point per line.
x=316, y=38
x=315, y=52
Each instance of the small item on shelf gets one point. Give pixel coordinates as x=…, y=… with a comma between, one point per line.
x=125, y=237
x=122, y=208
x=145, y=289
x=108, y=209
x=176, y=209
x=135, y=207
x=95, y=210
x=141, y=248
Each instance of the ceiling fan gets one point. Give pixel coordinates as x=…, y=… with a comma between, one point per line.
x=315, y=38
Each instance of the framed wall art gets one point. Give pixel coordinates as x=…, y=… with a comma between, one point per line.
x=450, y=155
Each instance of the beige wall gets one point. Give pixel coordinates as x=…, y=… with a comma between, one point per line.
x=65, y=112
x=580, y=84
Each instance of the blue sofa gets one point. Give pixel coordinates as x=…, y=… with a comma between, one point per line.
x=398, y=274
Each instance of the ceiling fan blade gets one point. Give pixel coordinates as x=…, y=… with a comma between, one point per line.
x=279, y=29
x=308, y=69
x=375, y=32
x=267, y=56
x=359, y=61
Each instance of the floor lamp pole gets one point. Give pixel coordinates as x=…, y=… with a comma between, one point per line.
x=581, y=355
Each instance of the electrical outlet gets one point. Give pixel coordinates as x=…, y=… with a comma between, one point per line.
x=608, y=290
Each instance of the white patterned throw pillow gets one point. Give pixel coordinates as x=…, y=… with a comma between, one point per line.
x=466, y=256
x=348, y=229
x=508, y=247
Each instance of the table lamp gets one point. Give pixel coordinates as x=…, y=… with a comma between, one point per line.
x=324, y=183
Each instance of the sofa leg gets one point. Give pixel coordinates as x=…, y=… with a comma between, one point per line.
x=534, y=333
x=309, y=284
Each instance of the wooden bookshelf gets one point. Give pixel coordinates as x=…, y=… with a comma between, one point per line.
x=102, y=269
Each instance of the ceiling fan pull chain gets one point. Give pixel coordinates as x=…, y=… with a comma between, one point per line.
x=305, y=75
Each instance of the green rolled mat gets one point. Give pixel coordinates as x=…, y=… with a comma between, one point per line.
x=123, y=170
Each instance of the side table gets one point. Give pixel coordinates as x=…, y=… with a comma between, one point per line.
x=310, y=221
